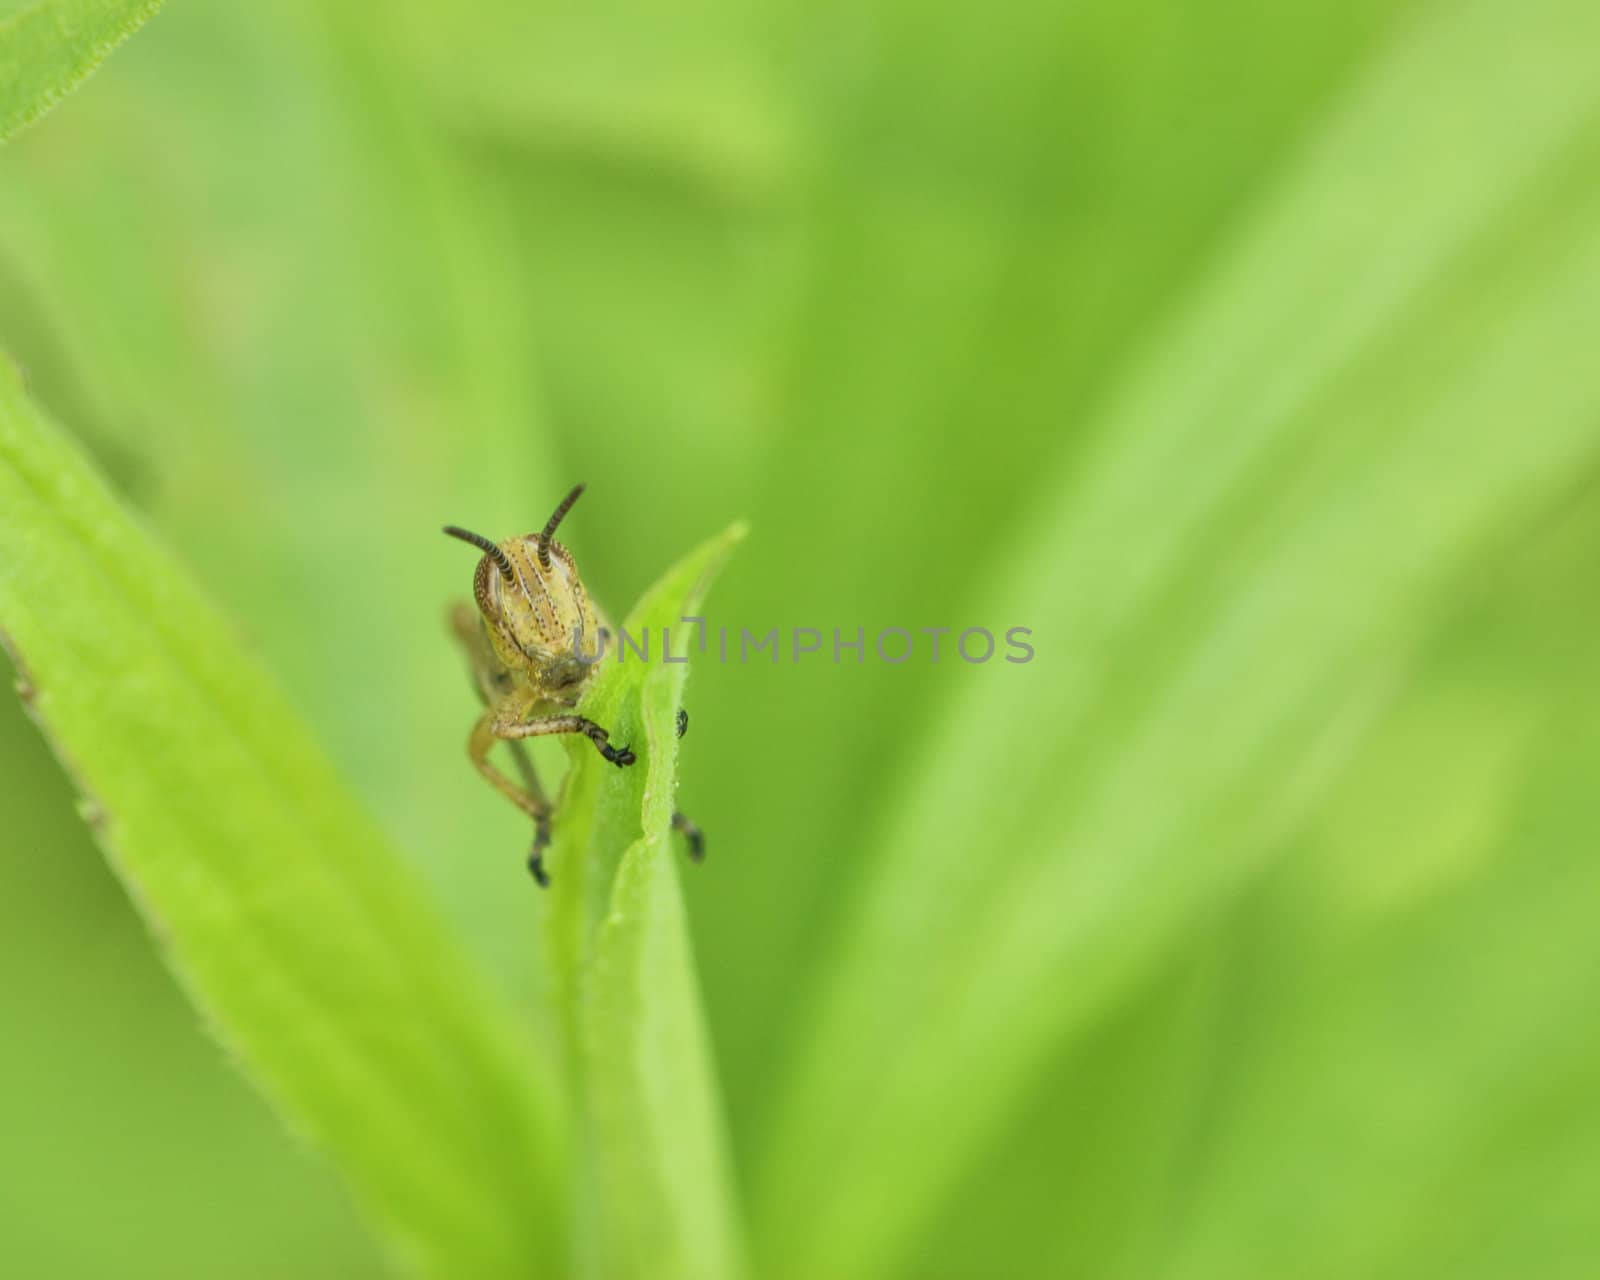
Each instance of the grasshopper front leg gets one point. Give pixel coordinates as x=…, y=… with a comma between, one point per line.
x=514, y=727
x=505, y=721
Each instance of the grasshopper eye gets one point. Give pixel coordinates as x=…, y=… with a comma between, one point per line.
x=490, y=549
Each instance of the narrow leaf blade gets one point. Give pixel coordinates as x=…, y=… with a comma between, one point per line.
x=46, y=51
x=654, y=1138
x=292, y=925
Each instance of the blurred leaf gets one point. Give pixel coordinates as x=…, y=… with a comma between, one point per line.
x=926, y=328
x=47, y=50
x=1374, y=384
x=311, y=354
x=1399, y=1073
x=1375, y=1062
x=621, y=952
x=111, y=1094
x=282, y=909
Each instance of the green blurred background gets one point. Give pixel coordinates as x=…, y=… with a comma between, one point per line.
x=312, y=280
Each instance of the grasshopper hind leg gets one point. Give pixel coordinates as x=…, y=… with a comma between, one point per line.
x=695, y=837
x=541, y=820
x=692, y=834
x=541, y=842
x=492, y=683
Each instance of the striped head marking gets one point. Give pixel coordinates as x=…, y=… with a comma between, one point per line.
x=534, y=607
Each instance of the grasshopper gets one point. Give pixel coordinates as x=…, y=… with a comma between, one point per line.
x=534, y=643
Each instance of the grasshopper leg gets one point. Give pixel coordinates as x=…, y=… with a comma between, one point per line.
x=541, y=822
x=529, y=797
x=680, y=822
x=513, y=728
x=494, y=686
x=695, y=837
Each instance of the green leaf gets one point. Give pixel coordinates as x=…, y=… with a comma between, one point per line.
x=46, y=51
x=1373, y=385
x=654, y=1143
x=292, y=924
x=1412, y=988
x=432, y=408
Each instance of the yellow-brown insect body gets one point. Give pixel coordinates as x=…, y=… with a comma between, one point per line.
x=535, y=645
x=539, y=620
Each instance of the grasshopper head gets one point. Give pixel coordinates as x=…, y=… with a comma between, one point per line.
x=535, y=609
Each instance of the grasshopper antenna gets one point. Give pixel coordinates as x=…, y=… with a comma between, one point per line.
x=550, y=526
x=501, y=559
